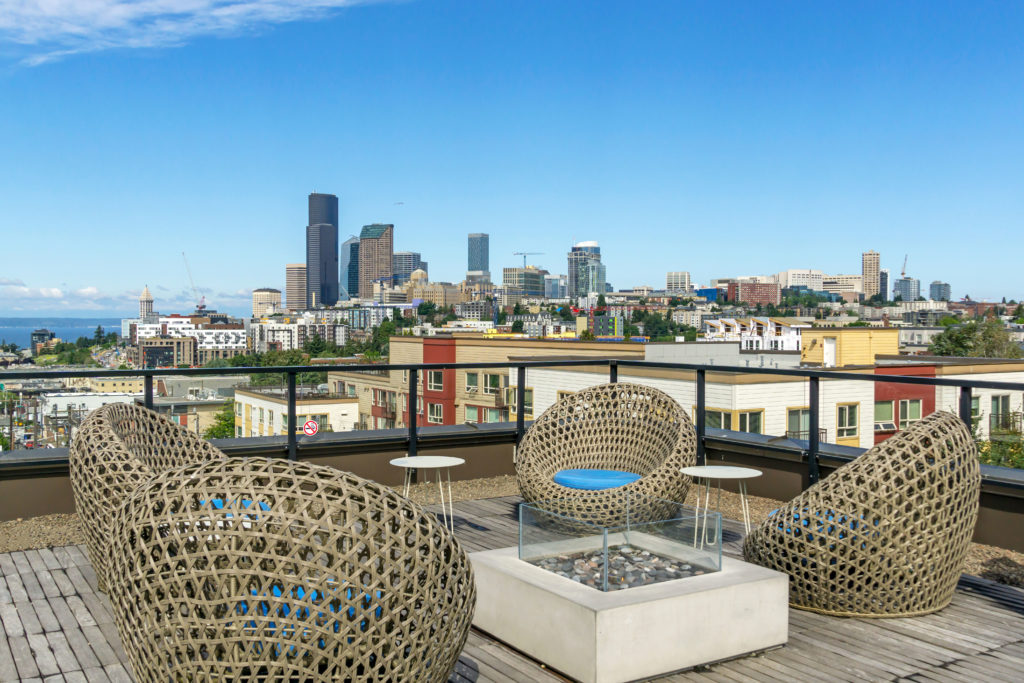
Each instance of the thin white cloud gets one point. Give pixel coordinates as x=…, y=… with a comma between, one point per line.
x=22, y=292
x=4, y=281
x=47, y=30
x=88, y=292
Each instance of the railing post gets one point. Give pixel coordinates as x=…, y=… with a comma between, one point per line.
x=613, y=371
x=965, y=408
x=813, y=436
x=520, y=398
x=700, y=416
x=413, y=409
x=293, y=450
x=148, y=391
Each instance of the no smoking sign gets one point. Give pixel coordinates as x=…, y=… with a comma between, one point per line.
x=310, y=428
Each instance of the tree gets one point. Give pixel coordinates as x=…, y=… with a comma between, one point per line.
x=315, y=345
x=98, y=335
x=517, y=326
x=427, y=308
x=517, y=309
x=602, y=304
x=223, y=426
x=502, y=317
x=586, y=335
x=989, y=339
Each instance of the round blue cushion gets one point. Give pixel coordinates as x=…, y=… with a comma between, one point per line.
x=594, y=480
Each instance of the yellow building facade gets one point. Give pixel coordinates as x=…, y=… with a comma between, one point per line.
x=839, y=347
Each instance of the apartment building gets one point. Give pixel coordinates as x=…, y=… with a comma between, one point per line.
x=455, y=396
x=758, y=404
x=264, y=411
x=837, y=347
x=754, y=293
x=757, y=333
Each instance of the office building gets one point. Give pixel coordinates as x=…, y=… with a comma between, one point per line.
x=323, y=209
x=677, y=282
x=528, y=280
x=145, y=303
x=838, y=284
x=883, y=283
x=939, y=291
x=376, y=248
x=801, y=277
x=403, y=263
x=586, y=272
x=322, y=251
x=556, y=286
x=348, y=271
x=479, y=252
x=754, y=293
x=265, y=301
x=295, y=286
x=869, y=271
x=907, y=289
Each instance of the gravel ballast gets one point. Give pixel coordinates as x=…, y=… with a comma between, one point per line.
x=989, y=562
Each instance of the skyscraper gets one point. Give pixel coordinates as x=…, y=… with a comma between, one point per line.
x=145, y=304
x=348, y=274
x=403, y=263
x=265, y=301
x=939, y=291
x=586, y=272
x=295, y=286
x=479, y=251
x=322, y=250
x=883, y=283
x=907, y=288
x=376, y=247
x=869, y=262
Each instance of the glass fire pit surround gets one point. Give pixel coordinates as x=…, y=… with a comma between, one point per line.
x=658, y=540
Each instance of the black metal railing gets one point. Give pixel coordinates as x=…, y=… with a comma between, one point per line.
x=814, y=377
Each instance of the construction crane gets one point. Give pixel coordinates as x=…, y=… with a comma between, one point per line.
x=524, y=254
x=200, y=300
x=903, y=273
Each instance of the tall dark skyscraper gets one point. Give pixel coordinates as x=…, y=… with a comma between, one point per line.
x=479, y=251
x=322, y=250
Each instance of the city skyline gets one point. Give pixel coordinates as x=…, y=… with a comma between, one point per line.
x=799, y=139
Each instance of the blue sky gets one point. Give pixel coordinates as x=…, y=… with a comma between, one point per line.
x=719, y=138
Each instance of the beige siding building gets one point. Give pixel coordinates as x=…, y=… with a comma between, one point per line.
x=295, y=286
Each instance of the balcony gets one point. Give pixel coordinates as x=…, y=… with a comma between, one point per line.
x=1005, y=424
x=805, y=434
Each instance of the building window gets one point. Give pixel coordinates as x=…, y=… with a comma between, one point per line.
x=472, y=414
x=472, y=382
x=351, y=390
x=284, y=421
x=492, y=384
x=270, y=418
x=238, y=409
x=261, y=415
x=846, y=421
x=719, y=419
x=910, y=411
x=435, y=380
x=750, y=421
x=798, y=423
x=435, y=413
x=562, y=394
x=1000, y=419
x=884, y=418
x=419, y=405
x=405, y=403
x=238, y=432
x=493, y=415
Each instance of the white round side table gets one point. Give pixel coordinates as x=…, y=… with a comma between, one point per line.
x=441, y=464
x=718, y=473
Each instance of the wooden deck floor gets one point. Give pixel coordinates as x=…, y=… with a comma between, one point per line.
x=56, y=627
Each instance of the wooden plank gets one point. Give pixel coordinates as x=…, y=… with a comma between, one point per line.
x=62, y=651
x=43, y=655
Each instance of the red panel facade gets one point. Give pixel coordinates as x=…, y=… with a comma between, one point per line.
x=891, y=391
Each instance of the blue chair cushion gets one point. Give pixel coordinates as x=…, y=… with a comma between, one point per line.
x=594, y=480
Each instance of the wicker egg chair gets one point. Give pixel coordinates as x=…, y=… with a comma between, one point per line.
x=885, y=535
x=270, y=570
x=619, y=426
x=118, y=447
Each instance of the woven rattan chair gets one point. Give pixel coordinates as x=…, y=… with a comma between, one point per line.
x=117, y=448
x=270, y=570
x=885, y=535
x=618, y=426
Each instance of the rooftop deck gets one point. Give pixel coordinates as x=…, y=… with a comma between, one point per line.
x=55, y=626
